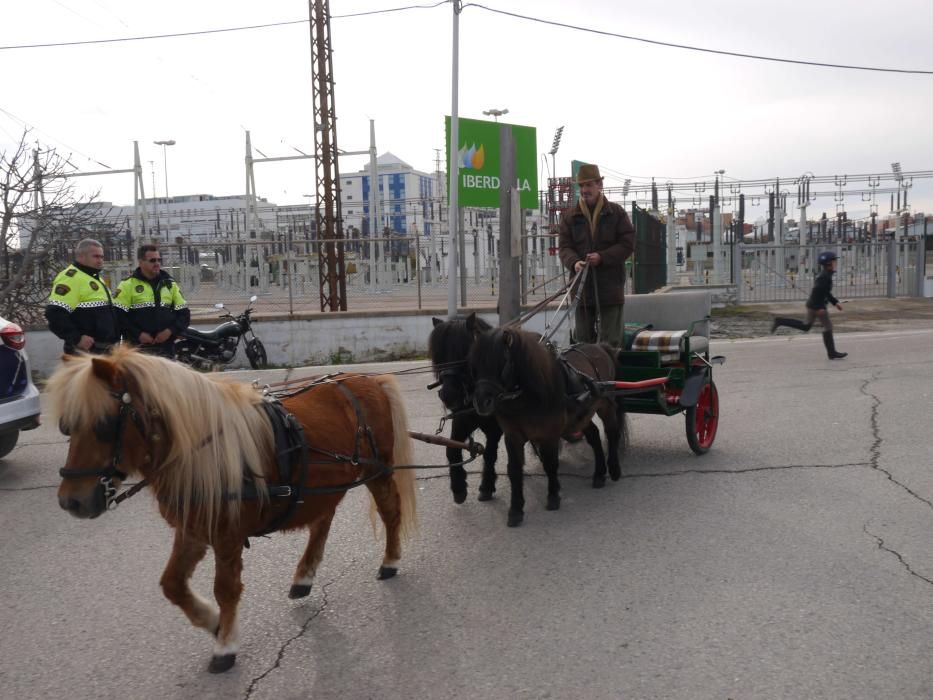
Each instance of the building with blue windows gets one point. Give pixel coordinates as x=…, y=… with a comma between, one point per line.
x=409, y=201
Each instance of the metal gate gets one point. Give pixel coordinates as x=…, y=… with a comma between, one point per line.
x=649, y=262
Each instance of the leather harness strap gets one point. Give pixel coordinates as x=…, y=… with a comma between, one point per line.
x=575, y=377
x=292, y=458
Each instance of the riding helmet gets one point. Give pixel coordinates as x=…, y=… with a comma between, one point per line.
x=826, y=257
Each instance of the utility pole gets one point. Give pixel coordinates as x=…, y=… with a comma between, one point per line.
x=330, y=221
x=435, y=230
x=509, y=230
x=771, y=217
x=374, y=206
x=671, y=237
x=155, y=199
x=453, y=216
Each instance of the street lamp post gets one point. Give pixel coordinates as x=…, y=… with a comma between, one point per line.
x=495, y=113
x=169, y=142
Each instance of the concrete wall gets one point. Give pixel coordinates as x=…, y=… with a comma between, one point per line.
x=338, y=338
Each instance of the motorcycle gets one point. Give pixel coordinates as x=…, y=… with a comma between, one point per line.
x=212, y=349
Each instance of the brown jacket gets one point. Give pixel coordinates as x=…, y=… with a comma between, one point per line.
x=615, y=241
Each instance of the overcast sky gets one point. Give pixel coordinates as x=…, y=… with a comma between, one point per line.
x=636, y=109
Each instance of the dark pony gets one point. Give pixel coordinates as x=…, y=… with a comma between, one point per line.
x=206, y=448
x=540, y=397
x=448, y=347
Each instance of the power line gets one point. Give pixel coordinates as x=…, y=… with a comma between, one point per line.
x=217, y=31
x=554, y=23
x=27, y=125
x=720, y=52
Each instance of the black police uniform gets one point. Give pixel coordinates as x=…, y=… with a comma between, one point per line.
x=80, y=304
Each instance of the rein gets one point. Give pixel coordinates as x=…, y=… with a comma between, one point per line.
x=579, y=282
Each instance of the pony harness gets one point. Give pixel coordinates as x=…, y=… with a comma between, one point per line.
x=292, y=456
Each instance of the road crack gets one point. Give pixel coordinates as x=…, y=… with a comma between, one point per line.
x=874, y=450
x=301, y=632
x=882, y=546
x=875, y=463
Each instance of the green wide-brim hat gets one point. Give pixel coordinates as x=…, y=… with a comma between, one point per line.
x=588, y=173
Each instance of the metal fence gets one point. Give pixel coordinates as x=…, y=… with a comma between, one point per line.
x=399, y=273
x=392, y=273
x=786, y=273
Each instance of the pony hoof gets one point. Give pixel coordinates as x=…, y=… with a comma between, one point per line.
x=299, y=590
x=515, y=518
x=615, y=473
x=219, y=664
x=485, y=495
x=386, y=572
x=553, y=502
x=599, y=481
x=460, y=496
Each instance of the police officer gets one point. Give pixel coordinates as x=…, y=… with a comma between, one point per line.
x=150, y=305
x=80, y=309
x=821, y=295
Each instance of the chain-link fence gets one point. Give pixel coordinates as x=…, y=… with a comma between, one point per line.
x=410, y=272
x=390, y=273
x=786, y=273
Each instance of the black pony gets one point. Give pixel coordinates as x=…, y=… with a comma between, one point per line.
x=541, y=397
x=448, y=346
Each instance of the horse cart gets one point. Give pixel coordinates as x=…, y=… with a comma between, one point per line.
x=665, y=367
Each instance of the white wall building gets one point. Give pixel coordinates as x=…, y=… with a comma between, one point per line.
x=409, y=200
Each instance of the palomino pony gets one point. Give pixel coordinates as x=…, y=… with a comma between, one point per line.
x=448, y=346
x=206, y=449
x=540, y=397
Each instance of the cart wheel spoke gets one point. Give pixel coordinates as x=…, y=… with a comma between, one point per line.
x=702, y=420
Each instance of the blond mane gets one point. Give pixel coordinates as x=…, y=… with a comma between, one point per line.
x=215, y=430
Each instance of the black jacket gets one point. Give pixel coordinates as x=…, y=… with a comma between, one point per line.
x=150, y=306
x=80, y=304
x=822, y=291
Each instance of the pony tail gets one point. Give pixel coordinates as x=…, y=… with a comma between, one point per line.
x=402, y=453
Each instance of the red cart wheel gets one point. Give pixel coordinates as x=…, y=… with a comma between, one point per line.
x=703, y=419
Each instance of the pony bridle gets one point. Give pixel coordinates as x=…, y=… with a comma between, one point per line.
x=462, y=377
x=506, y=378
x=113, y=430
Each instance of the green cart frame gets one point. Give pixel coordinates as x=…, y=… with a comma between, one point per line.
x=654, y=382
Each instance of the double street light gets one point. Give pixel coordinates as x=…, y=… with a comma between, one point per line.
x=496, y=113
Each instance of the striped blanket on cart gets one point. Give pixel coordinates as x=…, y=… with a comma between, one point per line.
x=668, y=343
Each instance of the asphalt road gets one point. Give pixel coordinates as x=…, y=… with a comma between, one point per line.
x=795, y=560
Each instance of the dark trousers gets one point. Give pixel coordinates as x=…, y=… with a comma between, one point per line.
x=611, y=329
x=821, y=315
x=97, y=348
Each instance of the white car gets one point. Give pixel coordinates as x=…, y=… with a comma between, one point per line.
x=19, y=398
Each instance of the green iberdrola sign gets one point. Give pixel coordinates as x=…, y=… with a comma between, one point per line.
x=478, y=155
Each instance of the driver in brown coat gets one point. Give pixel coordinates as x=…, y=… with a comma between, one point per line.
x=597, y=233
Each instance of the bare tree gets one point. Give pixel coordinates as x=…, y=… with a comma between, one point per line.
x=40, y=221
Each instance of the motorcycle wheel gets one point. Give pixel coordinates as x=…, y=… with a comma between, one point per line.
x=256, y=354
